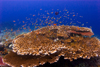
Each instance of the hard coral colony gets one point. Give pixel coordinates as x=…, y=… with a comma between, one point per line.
x=52, y=42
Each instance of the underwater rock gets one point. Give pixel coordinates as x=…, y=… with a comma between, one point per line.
x=48, y=44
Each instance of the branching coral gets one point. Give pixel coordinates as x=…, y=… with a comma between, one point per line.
x=29, y=60
x=49, y=43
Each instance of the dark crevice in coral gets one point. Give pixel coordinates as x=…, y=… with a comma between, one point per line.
x=54, y=30
x=75, y=63
x=42, y=34
x=73, y=34
x=60, y=37
x=82, y=31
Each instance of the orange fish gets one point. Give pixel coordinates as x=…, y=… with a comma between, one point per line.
x=33, y=15
x=11, y=29
x=73, y=15
x=23, y=21
x=54, y=24
x=14, y=21
x=29, y=29
x=24, y=28
x=77, y=28
x=40, y=9
x=37, y=32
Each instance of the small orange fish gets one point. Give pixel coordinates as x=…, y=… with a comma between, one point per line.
x=24, y=28
x=77, y=28
x=54, y=24
x=29, y=29
x=11, y=29
x=23, y=21
x=37, y=32
x=40, y=9
x=14, y=24
x=73, y=15
x=33, y=15
x=35, y=27
x=14, y=21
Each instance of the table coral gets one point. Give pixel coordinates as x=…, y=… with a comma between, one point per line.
x=49, y=43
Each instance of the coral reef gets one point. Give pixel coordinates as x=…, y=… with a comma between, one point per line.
x=48, y=44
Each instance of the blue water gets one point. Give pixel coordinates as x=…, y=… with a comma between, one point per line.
x=19, y=10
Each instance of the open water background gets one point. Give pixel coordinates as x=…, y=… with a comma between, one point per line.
x=18, y=11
